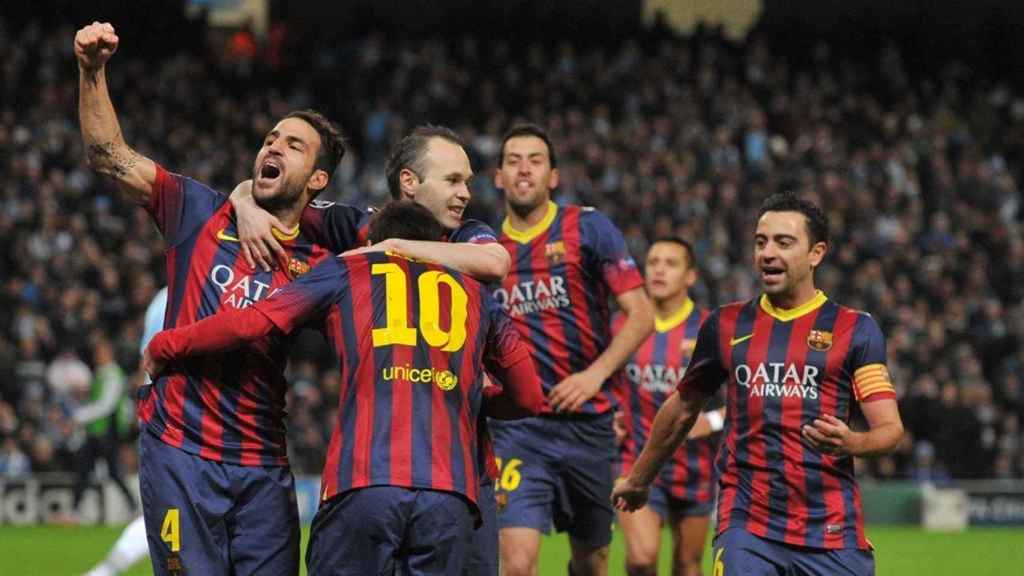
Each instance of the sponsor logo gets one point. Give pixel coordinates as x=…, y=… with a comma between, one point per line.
x=778, y=380
x=444, y=379
x=736, y=341
x=819, y=340
x=533, y=296
x=238, y=292
x=222, y=235
x=655, y=377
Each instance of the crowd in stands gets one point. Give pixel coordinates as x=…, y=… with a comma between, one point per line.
x=667, y=134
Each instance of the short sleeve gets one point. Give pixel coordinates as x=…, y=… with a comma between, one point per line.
x=871, y=380
x=473, y=232
x=306, y=298
x=618, y=268
x=706, y=371
x=180, y=205
x=333, y=226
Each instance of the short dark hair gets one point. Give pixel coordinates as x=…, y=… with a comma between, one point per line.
x=332, y=141
x=528, y=129
x=409, y=152
x=691, y=259
x=816, y=220
x=404, y=219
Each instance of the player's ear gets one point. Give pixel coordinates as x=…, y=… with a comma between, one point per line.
x=818, y=252
x=408, y=181
x=553, y=179
x=318, y=180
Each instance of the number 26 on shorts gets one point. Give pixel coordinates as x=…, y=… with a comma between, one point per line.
x=509, y=478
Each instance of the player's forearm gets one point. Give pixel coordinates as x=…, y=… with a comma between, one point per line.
x=106, y=150
x=638, y=326
x=673, y=422
x=520, y=397
x=879, y=440
x=485, y=262
x=221, y=332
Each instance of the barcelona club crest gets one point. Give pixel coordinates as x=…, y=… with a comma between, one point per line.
x=554, y=252
x=687, y=345
x=297, y=267
x=819, y=340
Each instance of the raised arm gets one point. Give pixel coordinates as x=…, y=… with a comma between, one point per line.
x=106, y=150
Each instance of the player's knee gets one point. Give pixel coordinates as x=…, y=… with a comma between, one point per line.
x=641, y=557
x=517, y=563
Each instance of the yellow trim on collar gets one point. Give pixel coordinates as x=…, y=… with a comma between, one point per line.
x=677, y=318
x=525, y=236
x=786, y=315
x=285, y=235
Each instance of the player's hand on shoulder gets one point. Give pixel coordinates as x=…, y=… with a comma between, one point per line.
x=628, y=496
x=256, y=229
x=387, y=245
x=570, y=394
x=830, y=435
x=94, y=45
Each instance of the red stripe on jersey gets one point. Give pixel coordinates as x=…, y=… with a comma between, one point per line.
x=468, y=388
x=401, y=400
x=792, y=440
x=728, y=315
x=552, y=326
x=362, y=312
x=440, y=422
x=209, y=394
x=245, y=411
x=760, y=484
x=832, y=484
x=580, y=301
x=329, y=478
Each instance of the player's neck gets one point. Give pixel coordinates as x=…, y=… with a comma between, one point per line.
x=527, y=220
x=289, y=215
x=795, y=298
x=664, y=309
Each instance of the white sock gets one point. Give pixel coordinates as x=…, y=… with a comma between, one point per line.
x=131, y=546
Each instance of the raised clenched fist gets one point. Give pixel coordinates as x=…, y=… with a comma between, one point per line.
x=94, y=45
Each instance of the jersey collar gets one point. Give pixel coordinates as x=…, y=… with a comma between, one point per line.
x=786, y=315
x=525, y=236
x=285, y=235
x=677, y=318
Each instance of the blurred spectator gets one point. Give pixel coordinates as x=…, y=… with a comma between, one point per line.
x=918, y=170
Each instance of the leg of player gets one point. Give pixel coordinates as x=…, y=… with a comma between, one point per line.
x=264, y=523
x=439, y=531
x=642, y=531
x=520, y=548
x=847, y=562
x=688, y=535
x=587, y=559
x=131, y=546
x=482, y=556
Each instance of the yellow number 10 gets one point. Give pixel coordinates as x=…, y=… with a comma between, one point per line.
x=398, y=331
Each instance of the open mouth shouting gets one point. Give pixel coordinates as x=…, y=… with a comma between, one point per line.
x=269, y=173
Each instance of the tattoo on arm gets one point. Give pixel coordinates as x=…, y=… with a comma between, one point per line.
x=114, y=160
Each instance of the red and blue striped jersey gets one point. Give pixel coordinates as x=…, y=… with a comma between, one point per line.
x=228, y=407
x=564, y=270
x=651, y=376
x=339, y=227
x=413, y=340
x=783, y=369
